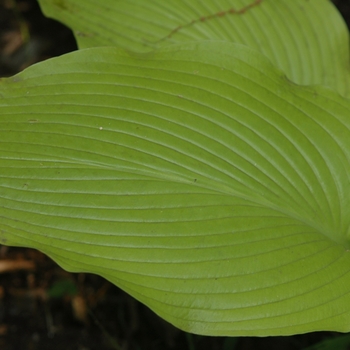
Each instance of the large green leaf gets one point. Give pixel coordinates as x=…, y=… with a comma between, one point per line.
x=198, y=179
x=307, y=39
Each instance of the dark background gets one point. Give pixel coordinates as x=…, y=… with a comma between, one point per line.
x=43, y=307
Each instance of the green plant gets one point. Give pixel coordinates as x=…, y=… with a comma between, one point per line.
x=193, y=162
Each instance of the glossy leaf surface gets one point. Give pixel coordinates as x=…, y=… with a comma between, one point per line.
x=198, y=179
x=307, y=39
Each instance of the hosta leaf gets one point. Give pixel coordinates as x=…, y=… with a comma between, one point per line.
x=307, y=39
x=198, y=179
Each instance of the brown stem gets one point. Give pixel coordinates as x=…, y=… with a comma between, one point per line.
x=209, y=17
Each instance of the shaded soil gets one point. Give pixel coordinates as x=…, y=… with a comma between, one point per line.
x=27, y=37
x=43, y=307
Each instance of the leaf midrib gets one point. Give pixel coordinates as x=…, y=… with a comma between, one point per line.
x=222, y=190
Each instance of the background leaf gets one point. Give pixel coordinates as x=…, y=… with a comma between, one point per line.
x=198, y=179
x=339, y=343
x=307, y=39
